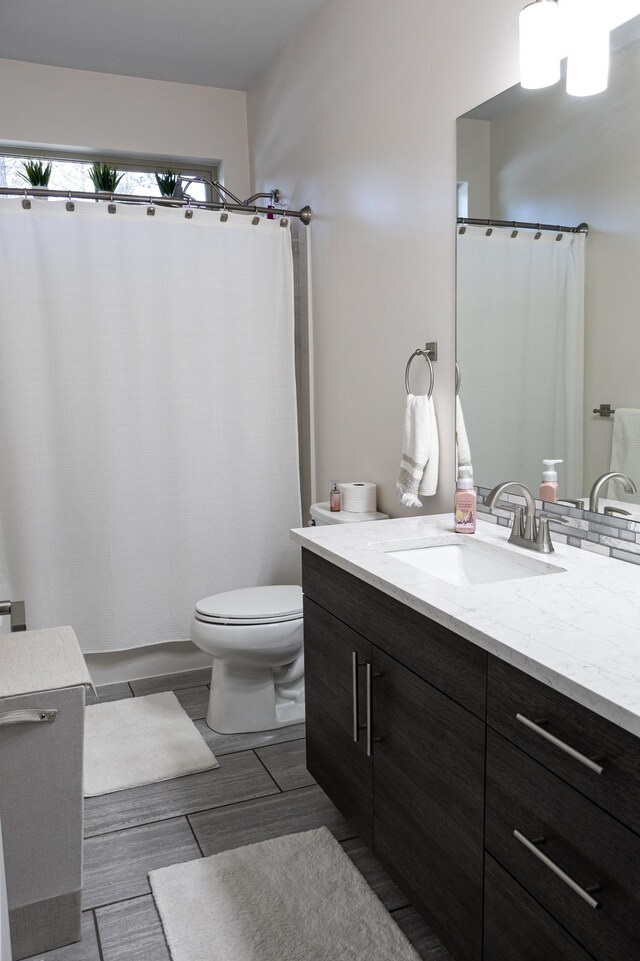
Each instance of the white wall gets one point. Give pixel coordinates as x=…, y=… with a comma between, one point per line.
x=81, y=110
x=558, y=159
x=357, y=118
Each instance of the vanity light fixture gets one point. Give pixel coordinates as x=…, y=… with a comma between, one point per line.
x=587, y=38
x=540, y=31
x=578, y=29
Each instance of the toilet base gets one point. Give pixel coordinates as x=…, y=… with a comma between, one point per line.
x=243, y=700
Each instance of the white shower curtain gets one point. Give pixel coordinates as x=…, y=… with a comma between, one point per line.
x=148, y=437
x=520, y=310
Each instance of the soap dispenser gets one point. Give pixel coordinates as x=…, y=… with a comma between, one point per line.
x=465, y=502
x=549, y=482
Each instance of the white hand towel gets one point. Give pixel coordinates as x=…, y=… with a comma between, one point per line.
x=625, y=449
x=463, y=451
x=420, y=451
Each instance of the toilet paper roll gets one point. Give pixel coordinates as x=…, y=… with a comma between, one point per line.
x=358, y=497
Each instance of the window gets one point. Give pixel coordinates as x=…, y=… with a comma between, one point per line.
x=70, y=173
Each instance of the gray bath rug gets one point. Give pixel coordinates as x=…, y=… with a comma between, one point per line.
x=297, y=898
x=140, y=740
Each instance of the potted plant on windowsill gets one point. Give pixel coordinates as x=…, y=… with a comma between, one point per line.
x=104, y=178
x=36, y=173
x=167, y=181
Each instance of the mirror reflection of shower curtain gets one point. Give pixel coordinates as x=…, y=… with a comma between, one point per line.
x=148, y=435
x=520, y=315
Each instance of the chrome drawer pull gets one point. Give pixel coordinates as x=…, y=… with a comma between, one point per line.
x=582, y=892
x=34, y=715
x=354, y=689
x=571, y=751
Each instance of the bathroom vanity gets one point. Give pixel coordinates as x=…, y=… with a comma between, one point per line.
x=43, y=677
x=484, y=740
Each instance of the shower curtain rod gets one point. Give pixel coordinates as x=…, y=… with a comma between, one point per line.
x=187, y=202
x=521, y=225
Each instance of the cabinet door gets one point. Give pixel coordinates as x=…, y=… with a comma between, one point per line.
x=428, y=802
x=336, y=711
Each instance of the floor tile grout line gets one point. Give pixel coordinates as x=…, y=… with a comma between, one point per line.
x=113, y=904
x=182, y=814
x=195, y=836
x=219, y=807
x=254, y=751
x=98, y=938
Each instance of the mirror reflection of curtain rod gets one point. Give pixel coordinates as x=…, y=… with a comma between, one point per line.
x=521, y=225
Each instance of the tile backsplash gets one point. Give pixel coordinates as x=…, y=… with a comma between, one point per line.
x=610, y=536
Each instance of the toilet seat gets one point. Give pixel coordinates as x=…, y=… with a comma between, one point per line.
x=252, y=605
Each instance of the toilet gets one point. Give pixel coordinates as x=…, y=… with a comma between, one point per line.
x=254, y=636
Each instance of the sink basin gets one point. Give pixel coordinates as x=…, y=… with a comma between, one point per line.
x=465, y=563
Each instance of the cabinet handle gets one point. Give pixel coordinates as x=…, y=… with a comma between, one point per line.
x=34, y=715
x=571, y=751
x=354, y=693
x=568, y=880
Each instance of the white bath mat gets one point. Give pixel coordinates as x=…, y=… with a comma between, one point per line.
x=297, y=898
x=140, y=740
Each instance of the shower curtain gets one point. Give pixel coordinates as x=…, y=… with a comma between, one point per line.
x=148, y=435
x=520, y=313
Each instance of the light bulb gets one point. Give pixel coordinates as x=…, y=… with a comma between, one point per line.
x=588, y=47
x=540, y=44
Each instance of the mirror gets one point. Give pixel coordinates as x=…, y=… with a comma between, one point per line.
x=548, y=320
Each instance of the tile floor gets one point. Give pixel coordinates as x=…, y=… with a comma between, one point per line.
x=261, y=790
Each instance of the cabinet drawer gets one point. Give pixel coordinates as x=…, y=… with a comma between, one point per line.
x=450, y=663
x=514, y=700
x=578, y=862
x=516, y=928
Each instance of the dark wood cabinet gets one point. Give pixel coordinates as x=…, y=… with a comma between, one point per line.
x=413, y=781
x=509, y=814
x=337, y=761
x=428, y=799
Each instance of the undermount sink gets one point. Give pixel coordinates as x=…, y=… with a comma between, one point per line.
x=465, y=563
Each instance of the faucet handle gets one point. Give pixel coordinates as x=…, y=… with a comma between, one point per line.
x=613, y=511
x=543, y=540
x=517, y=528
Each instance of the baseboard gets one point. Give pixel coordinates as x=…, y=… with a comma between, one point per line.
x=170, y=658
x=45, y=925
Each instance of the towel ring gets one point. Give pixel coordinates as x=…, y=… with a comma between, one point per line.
x=425, y=354
x=458, y=378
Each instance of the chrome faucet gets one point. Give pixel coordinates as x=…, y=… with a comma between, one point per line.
x=525, y=531
x=598, y=484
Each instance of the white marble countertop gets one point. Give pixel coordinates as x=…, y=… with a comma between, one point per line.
x=577, y=631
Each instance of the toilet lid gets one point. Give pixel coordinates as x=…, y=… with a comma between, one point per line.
x=252, y=605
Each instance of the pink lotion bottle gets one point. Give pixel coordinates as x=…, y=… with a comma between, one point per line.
x=334, y=497
x=549, y=483
x=465, y=502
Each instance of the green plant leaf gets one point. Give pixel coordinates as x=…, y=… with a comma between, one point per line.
x=167, y=181
x=104, y=177
x=36, y=173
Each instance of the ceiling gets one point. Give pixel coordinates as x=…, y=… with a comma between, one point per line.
x=216, y=43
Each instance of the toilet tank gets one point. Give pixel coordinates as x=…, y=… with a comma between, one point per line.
x=320, y=515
